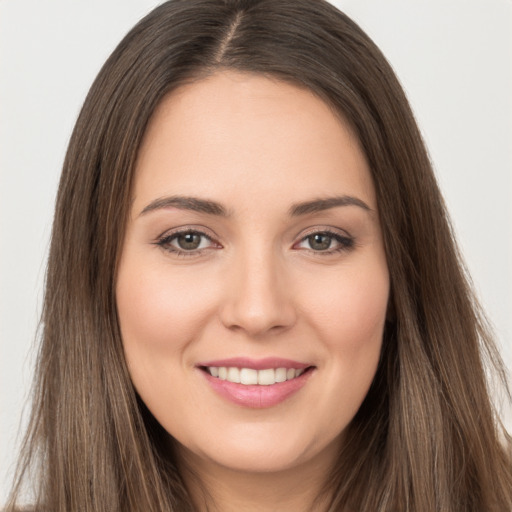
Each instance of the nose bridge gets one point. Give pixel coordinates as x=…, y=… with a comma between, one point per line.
x=258, y=299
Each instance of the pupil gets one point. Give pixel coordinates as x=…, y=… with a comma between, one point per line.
x=189, y=241
x=320, y=242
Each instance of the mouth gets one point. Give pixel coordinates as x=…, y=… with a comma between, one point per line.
x=256, y=384
x=251, y=376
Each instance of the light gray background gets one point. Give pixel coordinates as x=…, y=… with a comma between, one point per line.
x=454, y=58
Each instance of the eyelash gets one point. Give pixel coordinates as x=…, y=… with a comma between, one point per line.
x=346, y=243
x=165, y=242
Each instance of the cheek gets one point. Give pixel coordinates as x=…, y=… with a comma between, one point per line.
x=349, y=319
x=350, y=308
x=161, y=314
x=161, y=310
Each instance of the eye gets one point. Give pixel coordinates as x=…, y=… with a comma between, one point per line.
x=187, y=242
x=326, y=242
x=319, y=241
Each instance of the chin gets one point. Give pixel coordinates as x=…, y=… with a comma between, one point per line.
x=263, y=453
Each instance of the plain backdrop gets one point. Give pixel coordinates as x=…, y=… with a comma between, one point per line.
x=453, y=57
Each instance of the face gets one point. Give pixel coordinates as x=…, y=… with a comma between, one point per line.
x=253, y=285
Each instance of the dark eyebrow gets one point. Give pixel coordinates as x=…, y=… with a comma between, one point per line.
x=319, y=205
x=186, y=203
x=214, y=208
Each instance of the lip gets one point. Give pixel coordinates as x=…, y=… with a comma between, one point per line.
x=256, y=364
x=256, y=396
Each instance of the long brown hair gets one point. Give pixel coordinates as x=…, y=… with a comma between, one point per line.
x=426, y=437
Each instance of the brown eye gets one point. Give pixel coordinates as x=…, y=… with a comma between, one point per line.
x=320, y=241
x=188, y=241
x=326, y=242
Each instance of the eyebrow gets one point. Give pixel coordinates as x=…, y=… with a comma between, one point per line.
x=214, y=208
x=320, y=205
x=187, y=203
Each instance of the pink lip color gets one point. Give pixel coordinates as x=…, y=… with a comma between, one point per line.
x=255, y=364
x=256, y=396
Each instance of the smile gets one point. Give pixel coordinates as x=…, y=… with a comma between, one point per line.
x=256, y=384
x=250, y=376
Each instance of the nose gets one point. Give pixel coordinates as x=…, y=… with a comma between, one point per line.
x=258, y=299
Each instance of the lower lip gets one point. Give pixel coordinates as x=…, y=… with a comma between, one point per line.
x=257, y=396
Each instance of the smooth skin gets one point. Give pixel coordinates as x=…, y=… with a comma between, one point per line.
x=255, y=275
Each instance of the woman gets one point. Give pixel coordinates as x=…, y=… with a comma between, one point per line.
x=253, y=299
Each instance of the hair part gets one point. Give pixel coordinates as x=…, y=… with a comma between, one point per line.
x=425, y=438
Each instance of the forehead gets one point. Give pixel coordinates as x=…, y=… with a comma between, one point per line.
x=245, y=132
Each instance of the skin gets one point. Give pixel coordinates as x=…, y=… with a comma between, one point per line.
x=258, y=288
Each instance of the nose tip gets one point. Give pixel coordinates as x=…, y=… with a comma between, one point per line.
x=258, y=301
x=259, y=321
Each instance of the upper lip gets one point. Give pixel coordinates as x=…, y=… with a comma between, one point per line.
x=255, y=364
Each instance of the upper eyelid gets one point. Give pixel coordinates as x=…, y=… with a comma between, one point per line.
x=202, y=230
x=341, y=239
x=323, y=229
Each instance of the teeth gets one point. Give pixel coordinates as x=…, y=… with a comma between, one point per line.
x=248, y=376
x=233, y=375
x=267, y=377
x=280, y=374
